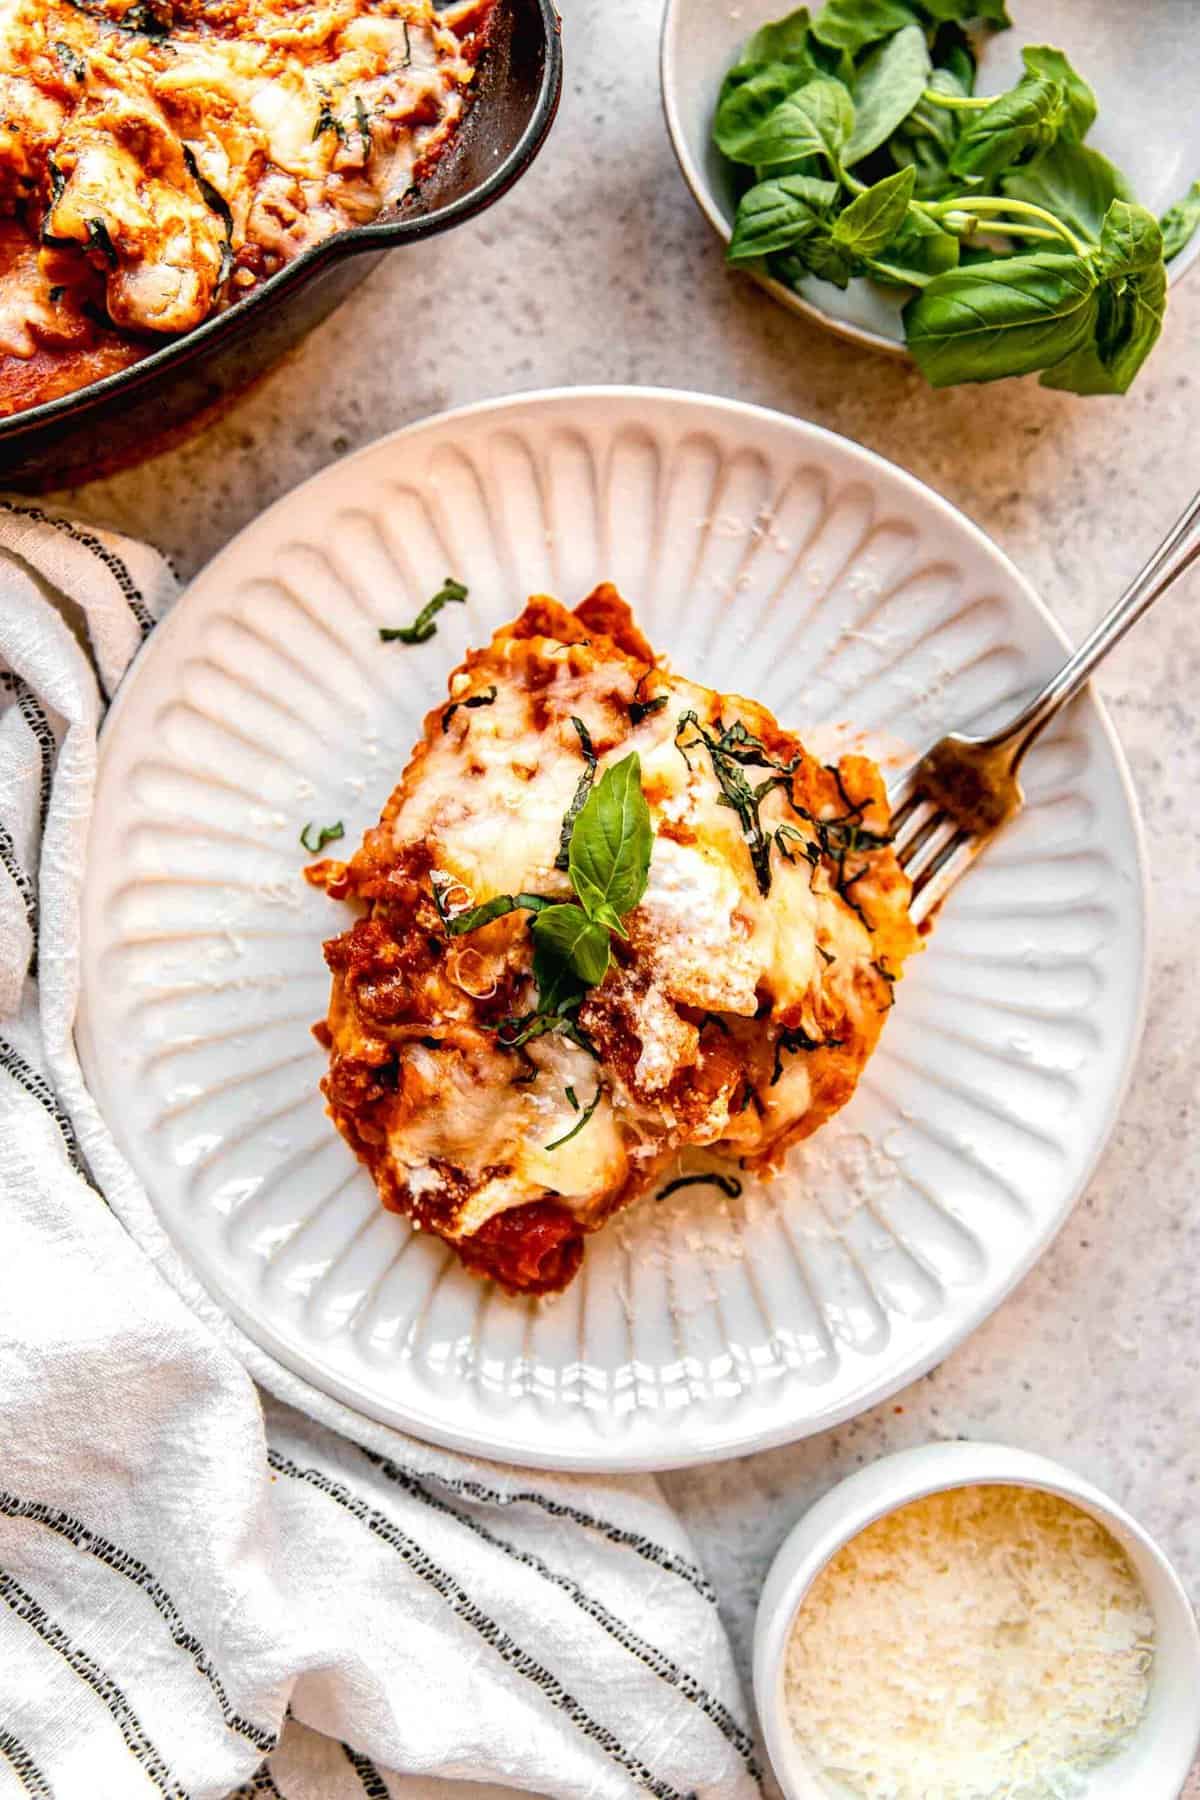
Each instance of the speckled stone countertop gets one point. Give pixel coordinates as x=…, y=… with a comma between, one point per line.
x=598, y=268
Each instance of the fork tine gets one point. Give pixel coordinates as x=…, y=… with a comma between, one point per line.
x=935, y=881
x=910, y=824
x=924, y=855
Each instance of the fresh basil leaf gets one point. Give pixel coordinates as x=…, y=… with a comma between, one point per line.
x=565, y=935
x=830, y=262
x=927, y=119
x=814, y=121
x=820, y=256
x=803, y=165
x=776, y=214
x=889, y=85
x=1075, y=183
x=961, y=12
x=1128, y=323
x=559, y=988
x=853, y=24
x=929, y=164
x=1051, y=65
x=1180, y=223
x=611, y=845
x=831, y=61
x=1130, y=240
x=1132, y=299
x=953, y=55
x=749, y=96
x=1009, y=316
x=872, y=220
x=1013, y=129
x=918, y=252
x=784, y=41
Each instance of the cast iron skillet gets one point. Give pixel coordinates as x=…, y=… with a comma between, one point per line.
x=128, y=414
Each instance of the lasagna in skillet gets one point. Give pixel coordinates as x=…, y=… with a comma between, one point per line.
x=606, y=915
x=161, y=158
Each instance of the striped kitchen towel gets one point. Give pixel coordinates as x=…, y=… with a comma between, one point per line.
x=214, y=1579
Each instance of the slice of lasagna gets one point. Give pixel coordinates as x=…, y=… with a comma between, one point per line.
x=511, y=1088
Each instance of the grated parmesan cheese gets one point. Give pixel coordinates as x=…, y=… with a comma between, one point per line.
x=988, y=1643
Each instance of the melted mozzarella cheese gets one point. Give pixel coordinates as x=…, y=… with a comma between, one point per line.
x=473, y=1117
x=491, y=798
x=303, y=123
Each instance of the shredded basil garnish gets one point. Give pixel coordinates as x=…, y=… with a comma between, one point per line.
x=582, y=790
x=572, y=1098
x=793, y=1038
x=476, y=700
x=732, y=749
x=146, y=21
x=56, y=294
x=216, y=202
x=641, y=709
x=98, y=239
x=423, y=627
x=728, y=1184
x=71, y=61
x=497, y=907
x=363, y=123
x=327, y=834
x=328, y=121
x=580, y=1122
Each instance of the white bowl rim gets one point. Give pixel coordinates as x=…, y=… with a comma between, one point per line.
x=702, y=194
x=895, y=1481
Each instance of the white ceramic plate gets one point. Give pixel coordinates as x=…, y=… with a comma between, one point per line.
x=761, y=554
x=1146, y=75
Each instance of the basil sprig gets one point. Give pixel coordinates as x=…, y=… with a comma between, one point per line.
x=867, y=153
x=608, y=858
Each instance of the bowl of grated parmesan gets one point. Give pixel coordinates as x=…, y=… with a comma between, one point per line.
x=971, y=1622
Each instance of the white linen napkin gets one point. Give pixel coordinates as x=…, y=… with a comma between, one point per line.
x=208, y=1584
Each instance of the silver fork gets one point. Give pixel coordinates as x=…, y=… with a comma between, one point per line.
x=950, y=805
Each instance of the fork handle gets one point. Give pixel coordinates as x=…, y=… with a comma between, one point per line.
x=1176, y=554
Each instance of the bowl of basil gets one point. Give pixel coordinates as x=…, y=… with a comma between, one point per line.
x=991, y=190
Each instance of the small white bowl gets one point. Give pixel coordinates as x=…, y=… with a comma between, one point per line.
x=1145, y=82
x=1155, y=1763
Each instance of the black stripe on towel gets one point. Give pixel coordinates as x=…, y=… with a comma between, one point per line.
x=123, y=1563
x=651, y=1658
x=14, y=1063
x=461, y=1604
x=24, y=1767
x=11, y=864
x=261, y=1782
x=87, y=540
x=103, y=1686
x=374, y=1786
x=645, y=1547
x=31, y=710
